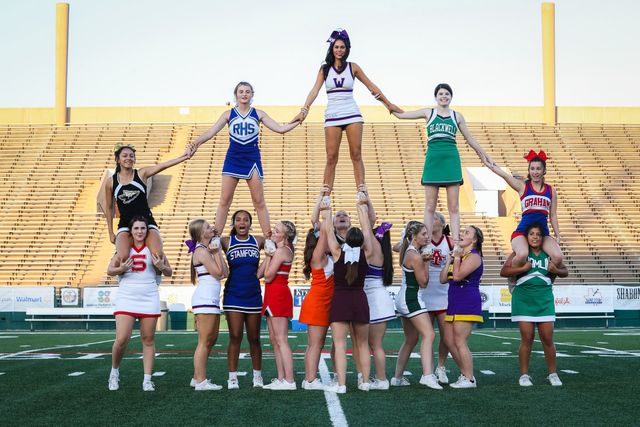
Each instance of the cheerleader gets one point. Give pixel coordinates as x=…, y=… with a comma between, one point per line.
x=127, y=188
x=242, y=296
x=342, y=113
x=415, y=316
x=442, y=164
x=349, y=307
x=243, y=156
x=463, y=271
x=138, y=297
x=209, y=269
x=278, y=302
x=532, y=304
x=539, y=201
x=318, y=266
x=379, y=275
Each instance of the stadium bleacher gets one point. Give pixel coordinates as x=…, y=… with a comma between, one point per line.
x=52, y=234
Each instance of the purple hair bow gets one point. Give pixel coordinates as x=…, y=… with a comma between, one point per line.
x=338, y=33
x=383, y=228
x=191, y=245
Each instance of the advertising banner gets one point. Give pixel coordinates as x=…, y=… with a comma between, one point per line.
x=20, y=298
x=103, y=297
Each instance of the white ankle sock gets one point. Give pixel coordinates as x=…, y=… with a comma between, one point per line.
x=257, y=373
x=147, y=377
x=115, y=372
x=233, y=375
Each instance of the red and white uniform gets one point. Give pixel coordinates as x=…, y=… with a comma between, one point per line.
x=436, y=295
x=278, y=301
x=138, y=294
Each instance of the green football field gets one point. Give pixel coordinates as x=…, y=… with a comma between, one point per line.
x=61, y=379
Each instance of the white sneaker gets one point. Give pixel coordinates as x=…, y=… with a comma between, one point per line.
x=233, y=384
x=215, y=244
x=430, y=381
x=257, y=382
x=271, y=384
x=192, y=383
x=525, y=381
x=441, y=374
x=284, y=385
x=554, y=380
x=148, y=386
x=361, y=195
x=336, y=388
x=464, y=382
x=207, y=385
x=364, y=386
x=269, y=247
x=398, y=382
x=377, y=384
x=114, y=382
x=326, y=201
x=359, y=379
x=316, y=384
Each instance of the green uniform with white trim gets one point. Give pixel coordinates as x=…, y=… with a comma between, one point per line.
x=442, y=164
x=532, y=299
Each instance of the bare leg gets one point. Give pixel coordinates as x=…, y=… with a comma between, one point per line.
x=257, y=196
x=521, y=248
x=235, y=321
x=527, y=333
x=461, y=332
x=423, y=326
x=208, y=327
x=281, y=327
x=376, y=336
x=147, y=336
x=124, y=327
x=355, y=348
x=252, y=322
x=430, y=202
x=124, y=241
x=274, y=344
x=154, y=242
x=453, y=205
x=551, y=247
x=361, y=330
x=332, y=138
x=546, y=336
x=444, y=328
x=227, y=190
x=410, y=341
x=316, y=336
x=354, y=136
x=339, y=334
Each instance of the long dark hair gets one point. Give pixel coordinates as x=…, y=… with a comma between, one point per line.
x=233, y=220
x=355, y=239
x=310, y=244
x=479, y=239
x=387, y=253
x=329, y=60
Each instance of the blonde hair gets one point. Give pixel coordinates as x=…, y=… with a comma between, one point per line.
x=196, y=230
x=411, y=230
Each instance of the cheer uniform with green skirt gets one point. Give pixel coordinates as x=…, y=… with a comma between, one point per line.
x=532, y=299
x=442, y=164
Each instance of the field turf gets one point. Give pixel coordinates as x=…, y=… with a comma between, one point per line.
x=59, y=379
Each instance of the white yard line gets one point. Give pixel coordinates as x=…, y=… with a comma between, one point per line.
x=58, y=347
x=333, y=402
x=606, y=350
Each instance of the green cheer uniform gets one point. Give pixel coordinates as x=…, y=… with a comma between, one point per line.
x=532, y=299
x=442, y=164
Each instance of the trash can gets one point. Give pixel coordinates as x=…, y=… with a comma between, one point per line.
x=178, y=317
x=163, y=321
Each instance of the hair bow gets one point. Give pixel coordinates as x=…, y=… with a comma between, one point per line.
x=532, y=155
x=382, y=228
x=351, y=255
x=338, y=33
x=191, y=245
x=119, y=146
